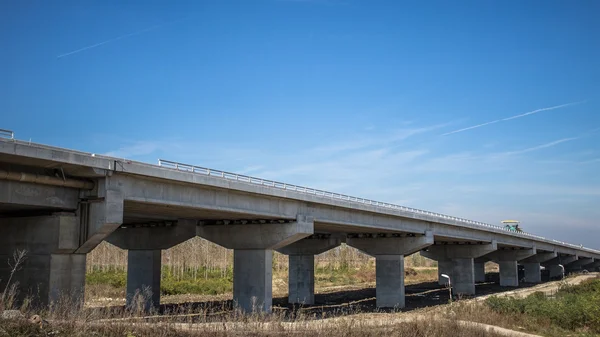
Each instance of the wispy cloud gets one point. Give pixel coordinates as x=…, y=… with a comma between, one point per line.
x=136, y=149
x=513, y=117
x=116, y=39
x=542, y=146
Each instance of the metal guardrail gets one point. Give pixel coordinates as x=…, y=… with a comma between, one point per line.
x=338, y=196
x=7, y=134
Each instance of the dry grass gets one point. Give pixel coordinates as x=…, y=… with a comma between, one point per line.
x=64, y=321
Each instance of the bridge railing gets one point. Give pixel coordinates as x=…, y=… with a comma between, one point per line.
x=338, y=196
x=7, y=134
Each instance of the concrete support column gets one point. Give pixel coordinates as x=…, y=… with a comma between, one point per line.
x=49, y=271
x=533, y=272
x=507, y=262
x=556, y=266
x=252, y=279
x=144, y=245
x=594, y=266
x=143, y=278
x=301, y=279
x=479, y=271
x=444, y=267
x=464, y=276
x=253, y=246
x=67, y=278
x=556, y=271
x=457, y=261
x=509, y=276
x=578, y=264
x=532, y=264
x=389, y=270
x=389, y=252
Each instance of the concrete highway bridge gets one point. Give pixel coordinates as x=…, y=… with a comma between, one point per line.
x=59, y=204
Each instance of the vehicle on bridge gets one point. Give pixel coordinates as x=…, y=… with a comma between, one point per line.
x=512, y=225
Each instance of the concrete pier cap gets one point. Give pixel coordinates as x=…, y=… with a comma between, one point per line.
x=457, y=260
x=507, y=259
x=268, y=235
x=252, y=257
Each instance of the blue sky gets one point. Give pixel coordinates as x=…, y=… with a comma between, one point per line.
x=358, y=97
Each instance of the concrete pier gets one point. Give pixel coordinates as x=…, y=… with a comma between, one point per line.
x=252, y=279
x=50, y=271
x=593, y=267
x=532, y=264
x=457, y=261
x=143, y=278
x=507, y=262
x=479, y=268
x=556, y=266
x=577, y=265
x=253, y=246
x=509, y=274
x=389, y=281
x=144, y=243
x=301, y=277
x=533, y=272
x=389, y=252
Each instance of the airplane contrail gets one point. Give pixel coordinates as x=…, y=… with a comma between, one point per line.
x=116, y=39
x=513, y=117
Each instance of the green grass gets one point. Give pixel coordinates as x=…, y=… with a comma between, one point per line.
x=205, y=283
x=574, y=308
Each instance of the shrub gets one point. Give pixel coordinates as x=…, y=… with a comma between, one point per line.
x=574, y=307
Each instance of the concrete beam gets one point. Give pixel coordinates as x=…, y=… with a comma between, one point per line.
x=389, y=255
x=257, y=236
x=539, y=257
x=40, y=196
x=560, y=260
x=391, y=245
x=153, y=238
x=448, y=252
x=511, y=254
x=577, y=265
x=301, y=280
x=311, y=245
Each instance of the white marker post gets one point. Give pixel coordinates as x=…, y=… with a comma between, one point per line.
x=449, y=286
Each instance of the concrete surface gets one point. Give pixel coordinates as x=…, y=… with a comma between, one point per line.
x=533, y=272
x=301, y=283
x=252, y=279
x=143, y=278
x=509, y=276
x=479, y=268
